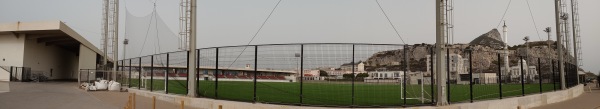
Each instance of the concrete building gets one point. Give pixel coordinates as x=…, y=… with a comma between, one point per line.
x=514, y=73
x=48, y=48
x=458, y=65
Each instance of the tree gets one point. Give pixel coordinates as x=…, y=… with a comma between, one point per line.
x=323, y=73
x=348, y=75
x=362, y=75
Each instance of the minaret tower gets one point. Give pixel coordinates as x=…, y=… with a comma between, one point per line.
x=505, y=34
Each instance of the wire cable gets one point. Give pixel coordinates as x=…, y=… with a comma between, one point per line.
x=256, y=34
x=147, y=31
x=505, y=10
x=389, y=21
x=532, y=19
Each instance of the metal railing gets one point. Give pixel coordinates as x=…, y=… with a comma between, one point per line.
x=343, y=74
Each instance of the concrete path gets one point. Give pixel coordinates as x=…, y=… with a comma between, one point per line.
x=4, y=87
x=586, y=100
x=50, y=95
x=141, y=102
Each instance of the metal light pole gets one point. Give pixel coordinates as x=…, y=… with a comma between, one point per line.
x=115, y=39
x=192, y=51
x=559, y=44
x=440, y=47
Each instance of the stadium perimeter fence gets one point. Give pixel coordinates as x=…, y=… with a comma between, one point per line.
x=343, y=74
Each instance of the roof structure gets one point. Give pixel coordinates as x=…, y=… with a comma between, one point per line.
x=51, y=33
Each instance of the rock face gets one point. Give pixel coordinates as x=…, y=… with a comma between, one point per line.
x=491, y=38
x=485, y=58
x=485, y=54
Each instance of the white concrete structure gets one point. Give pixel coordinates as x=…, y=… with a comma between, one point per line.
x=524, y=102
x=515, y=72
x=50, y=48
x=458, y=65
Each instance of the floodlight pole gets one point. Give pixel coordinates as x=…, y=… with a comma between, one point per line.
x=192, y=51
x=559, y=46
x=115, y=40
x=440, y=47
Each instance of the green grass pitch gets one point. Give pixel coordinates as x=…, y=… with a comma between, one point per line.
x=340, y=94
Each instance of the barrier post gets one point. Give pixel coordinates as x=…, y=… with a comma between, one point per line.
x=153, y=102
x=353, y=75
x=448, y=74
x=404, y=75
x=522, y=77
x=151, y=73
x=540, y=73
x=167, y=76
x=302, y=71
x=554, y=76
x=10, y=78
x=129, y=79
x=470, y=73
x=255, y=71
x=182, y=105
x=500, y=76
x=217, y=73
x=139, y=75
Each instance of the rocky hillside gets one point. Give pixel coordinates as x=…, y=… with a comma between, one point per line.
x=485, y=58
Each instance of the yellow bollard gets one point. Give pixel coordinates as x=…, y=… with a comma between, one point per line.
x=182, y=104
x=133, y=103
x=153, y=102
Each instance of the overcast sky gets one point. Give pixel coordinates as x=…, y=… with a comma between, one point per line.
x=234, y=22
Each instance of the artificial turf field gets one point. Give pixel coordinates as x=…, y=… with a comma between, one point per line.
x=340, y=94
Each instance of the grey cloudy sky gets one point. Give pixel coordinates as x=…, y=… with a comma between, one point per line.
x=234, y=22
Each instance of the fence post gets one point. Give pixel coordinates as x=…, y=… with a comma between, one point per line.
x=302, y=71
x=540, y=73
x=255, y=70
x=217, y=73
x=470, y=73
x=129, y=76
x=448, y=74
x=187, y=66
x=554, y=76
x=197, y=72
x=431, y=76
x=353, y=75
x=405, y=72
x=522, y=77
x=167, y=76
x=499, y=76
x=88, y=76
x=151, y=73
x=10, y=78
x=140, y=73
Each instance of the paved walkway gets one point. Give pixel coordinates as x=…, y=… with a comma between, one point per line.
x=586, y=100
x=49, y=95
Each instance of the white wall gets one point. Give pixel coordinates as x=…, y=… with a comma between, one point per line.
x=11, y=50
x=42, y=59
x=87, y=59
x=11, y=53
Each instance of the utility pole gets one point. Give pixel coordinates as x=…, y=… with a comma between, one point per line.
x=557, y=14
x=440, y=47
x=192, y=51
